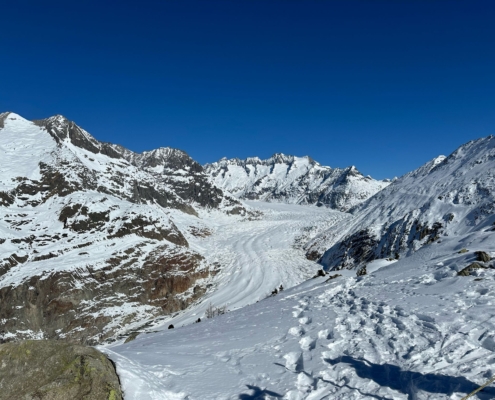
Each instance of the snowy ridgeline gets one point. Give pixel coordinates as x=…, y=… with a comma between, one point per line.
x=296, y=180
x=449, y=196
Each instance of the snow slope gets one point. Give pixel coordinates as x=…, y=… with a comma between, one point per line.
x=297, y=180
x=412, y=329
x=419, y=324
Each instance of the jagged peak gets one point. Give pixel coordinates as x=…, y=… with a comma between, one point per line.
x=164, y=152
x=277, y=158
x=166, y=157
x=58, y=117
x=353, y=171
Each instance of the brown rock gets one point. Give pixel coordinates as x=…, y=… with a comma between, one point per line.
x=61, y=303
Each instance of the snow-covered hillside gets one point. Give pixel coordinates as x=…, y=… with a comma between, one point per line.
x=409, y=329
x=447, y=197
x=297, y=180
x=418, y=324
x=102, y=245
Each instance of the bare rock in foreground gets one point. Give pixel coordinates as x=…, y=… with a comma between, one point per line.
x=56, y=370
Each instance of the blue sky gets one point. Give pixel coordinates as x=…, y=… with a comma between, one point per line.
x=382, y=85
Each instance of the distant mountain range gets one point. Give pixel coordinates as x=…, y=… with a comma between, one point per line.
x=296, y=180
x=96, y=240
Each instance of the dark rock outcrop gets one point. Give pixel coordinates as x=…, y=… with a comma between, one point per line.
x=2, y=118
x=71, y=305
x=482, y=256
x=177, y=169
x=471, y=267
x=55, y=370
x=60, y=128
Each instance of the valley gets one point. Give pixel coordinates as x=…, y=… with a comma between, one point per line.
x=130, y=253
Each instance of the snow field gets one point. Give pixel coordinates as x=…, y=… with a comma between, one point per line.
x=412, y=329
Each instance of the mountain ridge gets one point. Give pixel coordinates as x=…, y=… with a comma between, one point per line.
x=80, y=225
x=446, y=196
x=292, y=179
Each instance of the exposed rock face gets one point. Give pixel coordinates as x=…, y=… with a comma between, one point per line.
x=88, y=244
x=2, y=118
x=447, y=196
x=290, y=179
x=165, y=168
x=91, y=305
x=175, y=168
x=54, y=370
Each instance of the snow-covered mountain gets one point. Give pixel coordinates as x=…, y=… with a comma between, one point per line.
x=93, y=237
x=97, y=242
x=448, y=196
x=297, y=180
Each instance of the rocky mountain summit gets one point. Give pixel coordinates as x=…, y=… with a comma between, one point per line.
x=94, y=237
x=290, y=179
x=447, y=197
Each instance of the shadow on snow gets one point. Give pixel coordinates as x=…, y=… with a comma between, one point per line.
x=258, y=394
x=409, y=382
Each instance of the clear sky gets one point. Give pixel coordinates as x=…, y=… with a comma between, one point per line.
x=382, y=85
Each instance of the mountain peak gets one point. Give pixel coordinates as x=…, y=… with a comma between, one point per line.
x=8, y=115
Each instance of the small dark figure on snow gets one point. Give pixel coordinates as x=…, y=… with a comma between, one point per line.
x=280, y=288
x=198, y=320
x=274, y=292
x=170, y=326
